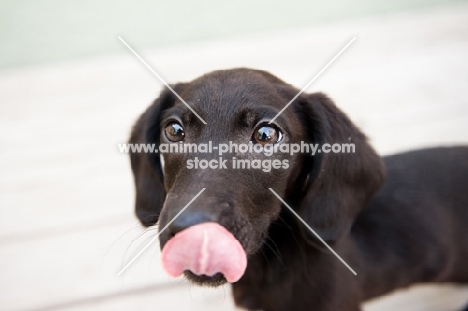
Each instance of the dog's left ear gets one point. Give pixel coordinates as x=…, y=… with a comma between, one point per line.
x=339, y=184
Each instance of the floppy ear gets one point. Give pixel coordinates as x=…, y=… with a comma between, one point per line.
x=146, y=167
x=339, y=184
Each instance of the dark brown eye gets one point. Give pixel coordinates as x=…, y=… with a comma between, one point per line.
x=174, y=132
x=267, y=135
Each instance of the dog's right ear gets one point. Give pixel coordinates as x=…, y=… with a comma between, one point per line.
x=146, y=167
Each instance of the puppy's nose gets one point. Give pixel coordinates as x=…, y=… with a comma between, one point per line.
x=188, y=219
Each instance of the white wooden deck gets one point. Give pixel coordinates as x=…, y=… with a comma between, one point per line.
x=66, y=193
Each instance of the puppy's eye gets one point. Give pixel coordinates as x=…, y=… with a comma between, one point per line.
x=174, y=132
x=267, y=135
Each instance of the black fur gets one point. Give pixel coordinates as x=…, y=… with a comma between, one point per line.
x=396, y=220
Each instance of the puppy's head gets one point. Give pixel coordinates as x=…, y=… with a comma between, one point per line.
x=229, y=221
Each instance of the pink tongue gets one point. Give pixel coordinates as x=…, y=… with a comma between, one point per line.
x=207, y=248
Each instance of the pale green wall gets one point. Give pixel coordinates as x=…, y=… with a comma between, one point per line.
x=40, y=31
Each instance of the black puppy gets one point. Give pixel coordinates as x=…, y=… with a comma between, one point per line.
x=396, y=220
